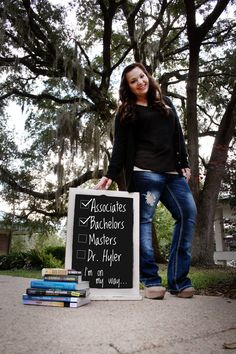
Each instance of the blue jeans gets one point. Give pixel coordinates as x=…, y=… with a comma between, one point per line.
x=173, y=191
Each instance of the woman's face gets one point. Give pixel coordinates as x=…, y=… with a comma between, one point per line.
x=138, y=82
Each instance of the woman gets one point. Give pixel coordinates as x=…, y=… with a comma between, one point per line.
x=149, y=146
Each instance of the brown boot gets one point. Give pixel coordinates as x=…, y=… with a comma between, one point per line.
x=154, y=292
x=186, y=293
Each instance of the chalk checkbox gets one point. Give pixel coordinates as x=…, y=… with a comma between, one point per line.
x=81, y=254
x=82, y=238
x=83, y=222
x=84, y=204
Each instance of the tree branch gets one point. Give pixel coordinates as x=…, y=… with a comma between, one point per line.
x=37, y=30
x=87, y=59
x=130, y=12
x=6, y=177
x=212, y=18
x=41, y=96
x=53, y=214
x=152, y=29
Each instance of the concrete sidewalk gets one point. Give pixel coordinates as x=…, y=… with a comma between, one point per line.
x=171, y=326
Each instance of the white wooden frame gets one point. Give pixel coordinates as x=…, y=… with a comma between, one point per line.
x=110, y=293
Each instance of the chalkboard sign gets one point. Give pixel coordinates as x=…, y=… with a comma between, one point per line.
x=103, y=241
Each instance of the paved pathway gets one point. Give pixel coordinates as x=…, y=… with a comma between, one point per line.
x=171, y=326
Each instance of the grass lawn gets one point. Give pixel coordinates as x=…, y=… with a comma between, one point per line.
x=216, y=280
x=219, y=281
x=22, y=273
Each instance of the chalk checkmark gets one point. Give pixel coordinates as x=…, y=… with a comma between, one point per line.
x=83, y=221
x=84, y=204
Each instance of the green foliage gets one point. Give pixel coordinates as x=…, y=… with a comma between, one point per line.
x=228, y=185
x=207, y=278
x=32, y=259
x=164, y=224
x=56, y=251
x=42, y=259
x=20, y=243
x=13, y=260
x=7, y=144
x=47, y=240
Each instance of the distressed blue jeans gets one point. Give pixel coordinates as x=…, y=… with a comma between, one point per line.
x=173, y=191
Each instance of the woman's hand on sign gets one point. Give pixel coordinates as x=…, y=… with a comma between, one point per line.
x=104, y=183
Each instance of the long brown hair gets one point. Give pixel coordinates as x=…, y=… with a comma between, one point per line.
x=127, y=98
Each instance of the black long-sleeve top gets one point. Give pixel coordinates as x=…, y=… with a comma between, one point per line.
x=154, y=134
x=126, y=148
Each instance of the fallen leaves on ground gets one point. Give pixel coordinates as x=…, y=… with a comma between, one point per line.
x=226, y=290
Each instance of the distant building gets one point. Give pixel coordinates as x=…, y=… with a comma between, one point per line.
x=225, y=243
x=5, y=241
x=8, y=233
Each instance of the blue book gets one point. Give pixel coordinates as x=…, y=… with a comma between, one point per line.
x=83, y=301
x=44, y=284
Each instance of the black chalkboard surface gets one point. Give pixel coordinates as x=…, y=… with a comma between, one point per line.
x=103, y=242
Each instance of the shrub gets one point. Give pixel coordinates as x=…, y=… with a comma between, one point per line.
x=56, y=251
x=38, y=259
x=32, y=259
x=13, y=260
x=164, y=224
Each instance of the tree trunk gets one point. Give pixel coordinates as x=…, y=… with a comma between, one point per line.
x=191, y=116
x=203, y=248
x=203, y=242
x=192, y=131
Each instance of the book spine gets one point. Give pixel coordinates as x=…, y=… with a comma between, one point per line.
x=64, y=278
x=44, y=303
x=60, y=271
x=53, y=285
x=51, y=303
x=52, y=292
x=51, y=298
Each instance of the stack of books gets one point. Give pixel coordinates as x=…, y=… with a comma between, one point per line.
x=58, y=287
